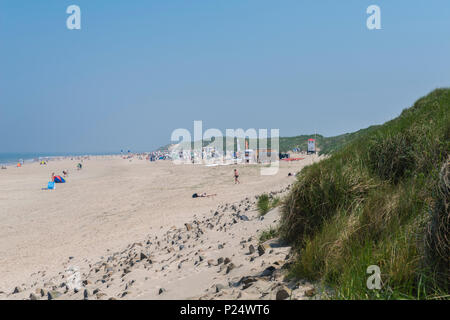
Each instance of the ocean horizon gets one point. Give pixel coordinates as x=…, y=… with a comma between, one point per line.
x=8, y=158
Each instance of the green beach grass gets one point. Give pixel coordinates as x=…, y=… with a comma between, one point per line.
x=381, y=198
x=266, y=203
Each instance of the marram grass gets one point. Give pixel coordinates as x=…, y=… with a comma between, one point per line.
x=382, y=200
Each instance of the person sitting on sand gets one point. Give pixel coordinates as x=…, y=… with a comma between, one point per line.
x=203, y=195
x=236, y=176
x=65, y=173
x=3, y=167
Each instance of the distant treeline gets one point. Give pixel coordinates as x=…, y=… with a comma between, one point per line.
x=326, y=145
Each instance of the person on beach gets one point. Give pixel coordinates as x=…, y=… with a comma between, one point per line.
x=236, y=176
x=203, y=195
x=65, y=173
x=53, y=177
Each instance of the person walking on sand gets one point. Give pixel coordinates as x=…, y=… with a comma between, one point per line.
x=236, y=176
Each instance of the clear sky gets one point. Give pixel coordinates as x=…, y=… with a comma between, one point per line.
x=139, y=69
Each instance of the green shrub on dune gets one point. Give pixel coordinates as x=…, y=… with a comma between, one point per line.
x=265, y=203
x=379, y=200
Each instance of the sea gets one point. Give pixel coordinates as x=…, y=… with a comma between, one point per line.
x=9, y=158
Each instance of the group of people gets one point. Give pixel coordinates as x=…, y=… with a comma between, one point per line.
x=58, y=179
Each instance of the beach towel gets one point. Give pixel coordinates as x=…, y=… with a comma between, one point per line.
x=51, y=185
x=59, y=179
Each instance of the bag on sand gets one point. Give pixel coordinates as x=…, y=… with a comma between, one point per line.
x=51, y=185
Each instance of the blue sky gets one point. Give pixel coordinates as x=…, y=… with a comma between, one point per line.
x=137, y=70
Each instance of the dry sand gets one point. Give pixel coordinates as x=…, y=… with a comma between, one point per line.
x=92, y=221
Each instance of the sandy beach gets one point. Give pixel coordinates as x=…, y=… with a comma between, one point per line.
x=112, y=204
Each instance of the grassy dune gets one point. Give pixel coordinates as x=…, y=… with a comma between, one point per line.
x=326, y=145
x=380, y=199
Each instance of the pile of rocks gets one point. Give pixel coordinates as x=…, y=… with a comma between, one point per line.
x=215, y=256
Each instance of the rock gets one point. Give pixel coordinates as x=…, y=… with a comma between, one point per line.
x=251, y=249
x=17, y=290
x=53, y=294
x=226, y=261
x=247, y=282
x=267, y=272
x=86, y=282
x=220, y=261
x=43, y=292
x=219, y=287
x=143, y=256
x=277, y=273
x=33, y=296
x=282, y=294
x=161, y=290
x=86, y=294
x=244, y=218
x=261, y=250
x=310, y=292
x=188, y=226
x=126, y=270
x=230, y=267
x=220, y=246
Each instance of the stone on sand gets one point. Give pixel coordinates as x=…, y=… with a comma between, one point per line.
x=261, y=250
x=282, y=294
